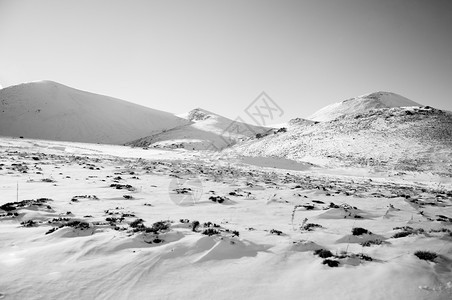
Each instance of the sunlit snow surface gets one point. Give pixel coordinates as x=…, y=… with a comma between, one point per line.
x=265, y=202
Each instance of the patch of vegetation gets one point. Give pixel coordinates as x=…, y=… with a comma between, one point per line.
x=210, y=231
x=311, y=226
x=332, y=205
x=52, y=230
x=10, y=206
x=443, y=218
x=426, y=255
x=331, y=263
x=122, y=186
x=323, y=253
x=136, y=223
x=78, y=224
x=365, y=257
x=360, y=231
x=401, y=234
x=47, y=180
x=281, y=130
x=158, y=227
x=308, y=206
x=277, y=232
x=195, y=225
x=183, y=190
x=371, y=242
x=218, y=199
x=29, y=223
x=210, y=224
x=406, y=231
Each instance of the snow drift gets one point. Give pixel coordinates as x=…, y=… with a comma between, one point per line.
x=49, y=110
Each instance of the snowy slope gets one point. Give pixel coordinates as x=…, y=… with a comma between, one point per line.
x=410, y=138
x=49, y=110
x=361, y=104
x=206, y=130
x=82, y=238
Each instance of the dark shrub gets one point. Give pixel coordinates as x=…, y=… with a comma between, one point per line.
x=360, y=231
x=194, y=225
x=331, y=263
x=426, y=255
x=365, y=257
x=401, y=234
x=136, y=223
x=77, y=224
x=277, y=232
x=158, y=226
x=323, y=253
x=210, y=231
x=371, y=242
x=311, y=226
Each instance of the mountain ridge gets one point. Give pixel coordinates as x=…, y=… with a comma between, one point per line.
x=361, y=104
x=53, y=111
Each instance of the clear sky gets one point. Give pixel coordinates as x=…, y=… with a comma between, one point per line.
x=220, y=55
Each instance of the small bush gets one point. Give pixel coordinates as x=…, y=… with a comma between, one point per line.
x=77, y=224
x=331, y=263
x=136, y=223
x=194, y=225
x=323, y=253
x=360, y=231
x=29, y=223
x=426, y=255
x=371, y=242
x=52, y=230
x=277, y=232
x=311, y=226
x=365, y=257
x=401, y=234
x=210, y=231
x=158, y=226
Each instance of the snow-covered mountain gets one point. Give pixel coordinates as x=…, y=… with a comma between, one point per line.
x=206, y=131
x=361, y=104
x=49, y=110
x=399, y=138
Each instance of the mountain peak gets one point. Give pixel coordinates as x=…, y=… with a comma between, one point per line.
x=199, y=114
x=50, y=110
x=360, y=104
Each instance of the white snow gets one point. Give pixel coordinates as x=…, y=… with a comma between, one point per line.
x=99, y=262
x=207, y=130
x=49, y=110
x=361, y=104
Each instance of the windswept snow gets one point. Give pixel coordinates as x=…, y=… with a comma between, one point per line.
x=206, y=130
x=49, y=110
x=361, y=104
x=400, y=139
x=97, y=224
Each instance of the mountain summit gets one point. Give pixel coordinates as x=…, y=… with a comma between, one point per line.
x=361, y=104
x=50, y=110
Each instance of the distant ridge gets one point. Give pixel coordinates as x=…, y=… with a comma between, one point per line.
x=361, y=104
x=408, y=138
x=53, y=111
x=206, y=131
